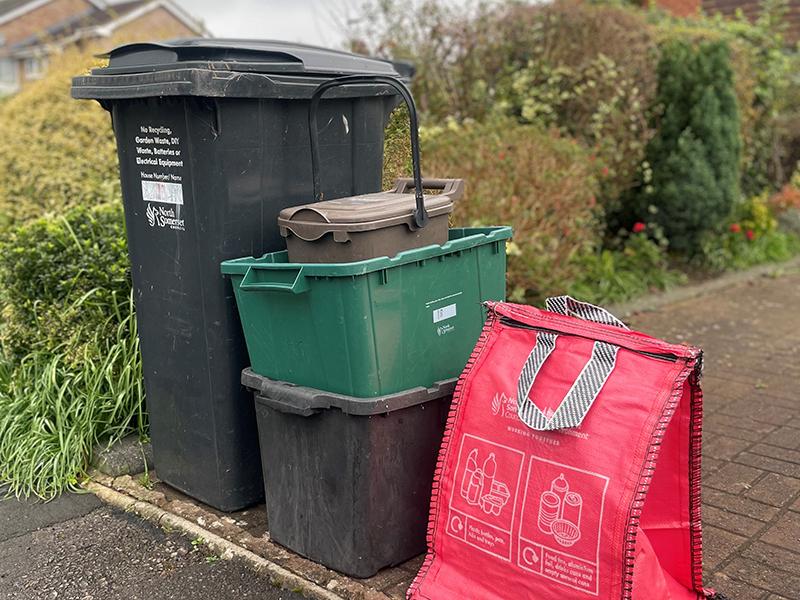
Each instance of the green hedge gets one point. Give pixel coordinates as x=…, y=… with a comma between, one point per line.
x=55, y=152
x=60, y=278
x=597, y=72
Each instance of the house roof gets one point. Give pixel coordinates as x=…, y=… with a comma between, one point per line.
x=10, y=9
x=79, y=21
x=102, y=21
x=6, y=6
x=136, y=9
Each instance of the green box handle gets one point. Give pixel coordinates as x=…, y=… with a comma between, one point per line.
x=296, y=281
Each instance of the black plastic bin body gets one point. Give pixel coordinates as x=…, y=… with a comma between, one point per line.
x=212, y=138
x=348, y=480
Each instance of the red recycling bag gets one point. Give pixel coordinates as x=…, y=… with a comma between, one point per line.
x=571, y=464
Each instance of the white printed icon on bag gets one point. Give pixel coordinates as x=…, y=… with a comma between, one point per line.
x=530, y=555
x=504, y=406
x=560, y=512
x=479, y=487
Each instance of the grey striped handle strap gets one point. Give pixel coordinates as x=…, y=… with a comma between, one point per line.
x=587, y=386
x=567, y=305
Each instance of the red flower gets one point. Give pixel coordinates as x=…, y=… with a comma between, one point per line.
x=750, y=234
x=501, y=155
x=639, y=227
x=735, y=228
x=605, y=171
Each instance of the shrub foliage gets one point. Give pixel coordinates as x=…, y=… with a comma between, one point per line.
x=591, y=71
x=543, y=184
x=70, y=369
x=55, y=152
x=60, y=277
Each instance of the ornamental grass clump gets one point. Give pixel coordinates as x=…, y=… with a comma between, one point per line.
x=70, y=368
x=53, y=411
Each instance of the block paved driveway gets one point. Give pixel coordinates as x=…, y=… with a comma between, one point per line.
x=751, y=433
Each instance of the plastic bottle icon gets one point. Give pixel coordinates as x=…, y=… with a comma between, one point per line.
x=474, y=490
x=472, y=466
x=489, y=471
x=479, y=486
x=560, y=486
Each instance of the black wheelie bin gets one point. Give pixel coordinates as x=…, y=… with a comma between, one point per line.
x=213, y=143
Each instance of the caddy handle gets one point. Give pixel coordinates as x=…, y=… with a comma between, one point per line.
x=420, y=214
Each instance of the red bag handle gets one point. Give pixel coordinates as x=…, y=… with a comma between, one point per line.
x=568, y=306
x=576, y=404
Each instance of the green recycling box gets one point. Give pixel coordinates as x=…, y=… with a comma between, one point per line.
x=372, y=327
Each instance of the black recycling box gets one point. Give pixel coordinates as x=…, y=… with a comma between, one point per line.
x=212, y=137
x=348, y=480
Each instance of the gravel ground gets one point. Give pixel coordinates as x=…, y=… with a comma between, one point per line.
x=105, y=554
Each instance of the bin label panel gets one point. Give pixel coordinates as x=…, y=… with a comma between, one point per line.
x=160, y=160
x=157, y=191
x=446, y=312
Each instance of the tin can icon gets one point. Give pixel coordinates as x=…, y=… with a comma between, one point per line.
x=549, y=509
x=573, y=505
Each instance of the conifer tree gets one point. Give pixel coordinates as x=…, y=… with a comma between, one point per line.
x=695, y=155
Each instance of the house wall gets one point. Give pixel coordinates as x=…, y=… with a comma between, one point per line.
x=39, y=19
x=156, y=24
x=680, y=8
x=751, y=10
x=729, y=8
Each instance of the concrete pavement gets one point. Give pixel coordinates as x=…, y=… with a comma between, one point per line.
x=76, y=548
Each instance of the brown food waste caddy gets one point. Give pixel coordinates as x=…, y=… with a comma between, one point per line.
x=363, y=227
x=370, y=225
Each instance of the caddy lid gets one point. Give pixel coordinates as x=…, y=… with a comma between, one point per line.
x=368, y=211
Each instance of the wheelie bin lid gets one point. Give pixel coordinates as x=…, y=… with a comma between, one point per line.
x=227, y=68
